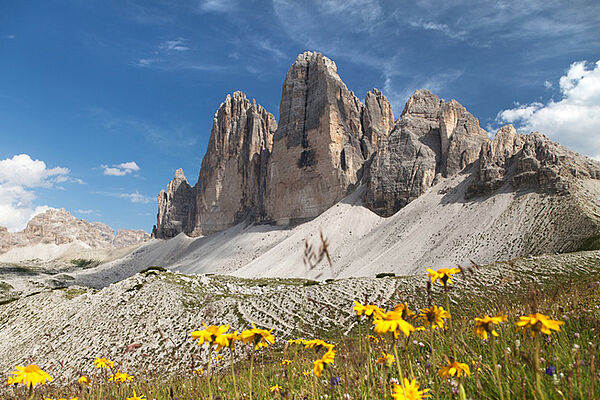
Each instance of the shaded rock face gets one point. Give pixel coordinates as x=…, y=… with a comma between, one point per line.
x=528, y=162
x=60, y=227
x=232, y=180
x=176, y=208
x=432, y=138
x=325, y=134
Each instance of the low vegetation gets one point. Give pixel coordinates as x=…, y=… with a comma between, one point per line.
x=539, y=343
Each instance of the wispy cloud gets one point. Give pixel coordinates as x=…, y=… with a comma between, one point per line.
x=443, y=28
x=122, y=169
x=9, y=37
x=218, y=6
x=178, y=44
x=136, y=197
x=171, y=138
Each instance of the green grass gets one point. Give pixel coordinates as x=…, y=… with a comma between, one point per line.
x=570, y=297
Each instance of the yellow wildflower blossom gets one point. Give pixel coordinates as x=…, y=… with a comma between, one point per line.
x=434, y=317
x=485, y=325
x=406, y=313
x=393, y=322
x=443, y=274
x=198, y=371
x=317, y=344
x=369, y=310
x=455, y=368
x=373, y=339
x=103, y=363
x=306, y=372
x=30, y=375
x=409, y=391
x=136, y=397
x=275, y=388
x=286, y=362
x=386, y=359
x=120, y=377
x=260, y=337
x=538, y=323
x=83, y=380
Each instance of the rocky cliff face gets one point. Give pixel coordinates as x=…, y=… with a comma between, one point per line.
x=328, y=142
x=325, y=134
x=176, y=208
x=432, y=138
x=60, y=227
x=528, y=162
x=232, y=178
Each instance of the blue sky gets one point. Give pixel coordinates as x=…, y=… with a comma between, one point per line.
x=101, y=101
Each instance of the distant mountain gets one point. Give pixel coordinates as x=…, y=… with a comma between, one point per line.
x=474, y=197
x=60, y=227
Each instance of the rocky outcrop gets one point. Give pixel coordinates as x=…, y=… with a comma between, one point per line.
x=325, y=134
x=528, y=162
x=176, y=208
x=232, y=178
x=60, y=227
x=432, y=138
x=328, y=142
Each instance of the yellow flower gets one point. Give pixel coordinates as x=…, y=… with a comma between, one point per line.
x=260, y=337
x=136, y=397
x=434, y=316
x=212, y=334
x=275, y=388
x=538, y=323
x=306, y=372
x=83, y=381
x=286, y=362
x=317, y=344
x=30, y=375
x=409, y=391
x=369, y=310
x=120, y=377
x=62, y=398
x=321, y=363
x=318, y=366
x=454, y=368
x=198, y=371
x=443, y=274
x=103, y=363
x=403, y=309
x=373, y=339
x=386, y=359
x=231, y=338
x=485, y=325
x=393, y=322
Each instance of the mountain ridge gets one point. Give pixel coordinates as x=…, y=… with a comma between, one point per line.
x=328, y=142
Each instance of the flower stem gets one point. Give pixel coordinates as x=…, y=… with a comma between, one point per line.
x=400, y=375
x=208, y=372
x=251, y=370
x=536, y=363
x=495, y=366
x=237, y=396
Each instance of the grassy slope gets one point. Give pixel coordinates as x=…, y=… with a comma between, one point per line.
x=566, y=287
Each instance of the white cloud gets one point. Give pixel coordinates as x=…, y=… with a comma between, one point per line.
x=9, y=37
x=219, y=6
x=136, y=197
x=121, y=169
x=573, y=120
x=443, y=28
x=548, y=84
x=19, y=175
x=174, y=45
